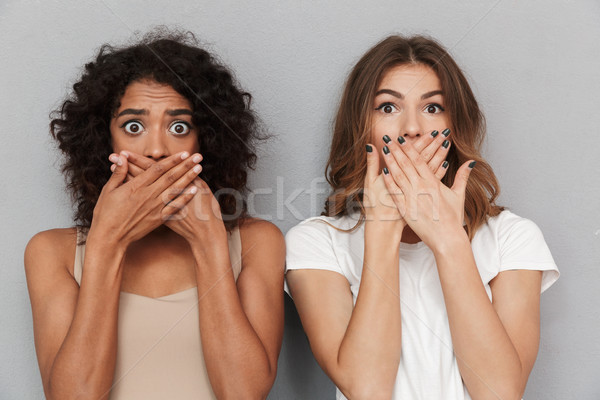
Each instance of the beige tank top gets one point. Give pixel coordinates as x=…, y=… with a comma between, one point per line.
x=159, y=353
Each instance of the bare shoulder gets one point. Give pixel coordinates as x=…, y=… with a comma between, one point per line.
x=254, y=231
x=262, y=239
x=50, y=250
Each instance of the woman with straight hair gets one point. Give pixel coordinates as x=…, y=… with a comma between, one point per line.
x=414, y=283
x=166, y=288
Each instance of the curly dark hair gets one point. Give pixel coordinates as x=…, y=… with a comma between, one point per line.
x=227, y=128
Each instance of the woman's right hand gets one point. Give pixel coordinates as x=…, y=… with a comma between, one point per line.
x=127, y=211
x=379, y=205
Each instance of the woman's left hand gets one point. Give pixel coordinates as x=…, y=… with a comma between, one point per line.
x=430, y=208
x=197, y=221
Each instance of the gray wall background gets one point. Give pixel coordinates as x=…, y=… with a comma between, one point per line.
x=533, y=65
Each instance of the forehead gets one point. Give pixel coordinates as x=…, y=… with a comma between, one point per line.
x=151, y=94
x=406, y=78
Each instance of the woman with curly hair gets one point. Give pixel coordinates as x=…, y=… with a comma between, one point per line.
x=165, y=288
x=414, y=284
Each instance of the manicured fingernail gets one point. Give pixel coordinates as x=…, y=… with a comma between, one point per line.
x=446, y=144
x=445, y=164
x=185, y=155
x=113, y=167
x=472, y=164
x=386, y=139
x=125, y=154
x=434, y=133
x=385, y=170
x=113, y=158
x=401, y=140
x=446, y=132
x=386, y=150
x=119, y=161
x=193, y=190
x=197, y=158
x=369, y=148
x=197, y=169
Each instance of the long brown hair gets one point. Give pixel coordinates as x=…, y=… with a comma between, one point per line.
x=347, y=164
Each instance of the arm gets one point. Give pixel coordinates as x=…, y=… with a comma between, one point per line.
x=71, y=325
x=494, y=357
x=242, y=326
x=75, y=327
x=495, y=342
x=358, y=347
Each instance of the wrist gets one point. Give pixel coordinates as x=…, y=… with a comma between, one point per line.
x=105, y=243
x=451, y=242
x=385, y=230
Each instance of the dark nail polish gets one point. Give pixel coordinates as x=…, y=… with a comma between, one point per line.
x=445, y=164
x=434, y=133
x=385, y=170
x=401, y=140
x=386, y=150
x=472, y=164
x=446, y=144
x=369, y=148
x=446, y=132
x=386, y=139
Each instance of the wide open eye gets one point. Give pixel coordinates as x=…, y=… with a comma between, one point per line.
x=433, y=108
x=180, y=128
x=387, y=108
x=133, y=127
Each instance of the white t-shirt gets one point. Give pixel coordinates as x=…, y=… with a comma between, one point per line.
x=428, y=368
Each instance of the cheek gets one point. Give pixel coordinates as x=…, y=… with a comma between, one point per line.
x=120, y=143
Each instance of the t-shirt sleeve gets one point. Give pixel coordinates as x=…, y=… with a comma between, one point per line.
x=309, y=245
x=522, y=246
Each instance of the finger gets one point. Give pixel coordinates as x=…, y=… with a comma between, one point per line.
x=119, y=172
x=132, y=172
x=372, y=164
x=425, y=141
x=176, y=209
x=462, y=177
x=165, y=172
x=394, y=191
x=441, y=171
x=440, y=155
x=393, y=168
x=173, y=190
x=403, y=161
x=433, y=147
x=416, y=165
x=140, y=161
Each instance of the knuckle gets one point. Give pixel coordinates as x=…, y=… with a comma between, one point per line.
x=159, y=168
x=171, y=178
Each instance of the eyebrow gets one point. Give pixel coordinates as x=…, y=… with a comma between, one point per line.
x=179, y=111
x=430, y=94
x=133, y=111
x=401, y=96
x=172, y=113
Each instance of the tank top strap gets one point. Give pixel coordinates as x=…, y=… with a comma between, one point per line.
x=79, y=256
x=235, y=251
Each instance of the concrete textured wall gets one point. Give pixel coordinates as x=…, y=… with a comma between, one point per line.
x=533, y=65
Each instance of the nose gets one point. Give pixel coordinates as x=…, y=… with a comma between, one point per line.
x=155, y=146
x=411, y=128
